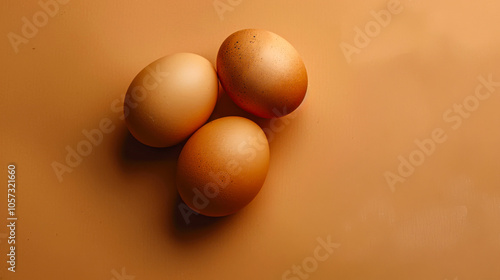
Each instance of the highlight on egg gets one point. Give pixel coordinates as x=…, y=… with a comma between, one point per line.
x=170, y=99
x=262, y=72
x=223, y=166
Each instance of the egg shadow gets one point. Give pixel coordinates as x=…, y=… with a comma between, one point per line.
x=189, y=226
x=133, y=151
x=135, y=157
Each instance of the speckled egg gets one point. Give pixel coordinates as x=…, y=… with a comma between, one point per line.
x=262, y=72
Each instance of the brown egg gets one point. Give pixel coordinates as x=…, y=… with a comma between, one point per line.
x=262, y=72
x=222, y=166
x=170, y=99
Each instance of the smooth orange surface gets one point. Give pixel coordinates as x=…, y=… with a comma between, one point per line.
x=170, y=99
x=222, y=167
x=414, y=91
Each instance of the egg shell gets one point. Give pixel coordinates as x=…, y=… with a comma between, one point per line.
x=223, y=166
x=262, y=72
x=170, y=99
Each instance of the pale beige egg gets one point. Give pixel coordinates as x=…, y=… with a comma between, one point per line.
x=170, y=99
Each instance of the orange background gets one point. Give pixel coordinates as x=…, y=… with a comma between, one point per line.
x=117, y=209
